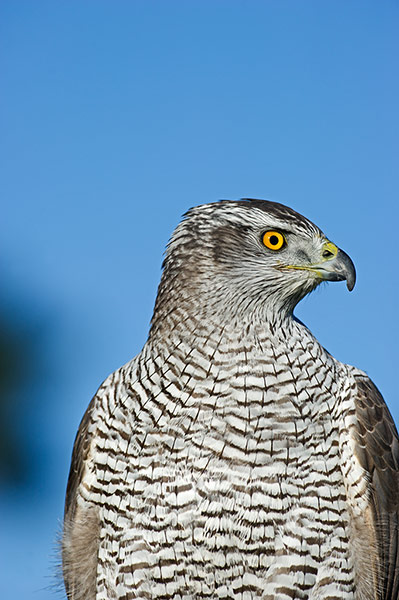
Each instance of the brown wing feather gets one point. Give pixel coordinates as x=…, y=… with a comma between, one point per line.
x=81, y=527
x=378, y=452
x=79, y=455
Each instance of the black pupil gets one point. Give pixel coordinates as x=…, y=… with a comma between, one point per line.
x=274, y=240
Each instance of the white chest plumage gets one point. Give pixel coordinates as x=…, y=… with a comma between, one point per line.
x=217, y=471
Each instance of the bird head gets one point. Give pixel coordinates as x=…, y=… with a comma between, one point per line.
x=247, y=256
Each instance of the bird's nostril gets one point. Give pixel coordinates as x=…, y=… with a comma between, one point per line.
x=327, y=254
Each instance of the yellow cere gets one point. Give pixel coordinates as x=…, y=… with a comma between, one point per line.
x=273, y=240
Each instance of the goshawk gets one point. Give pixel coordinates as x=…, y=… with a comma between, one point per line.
x=234, y=457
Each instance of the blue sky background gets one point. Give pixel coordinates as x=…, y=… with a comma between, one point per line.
x=118, y=116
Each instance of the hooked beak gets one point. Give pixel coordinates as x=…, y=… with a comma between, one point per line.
x=335, y=265
x=338, y=268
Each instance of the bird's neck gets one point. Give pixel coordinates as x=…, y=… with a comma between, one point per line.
x=188, y=330
x=221, y=366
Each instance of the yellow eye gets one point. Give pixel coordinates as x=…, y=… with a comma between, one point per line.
x=273, y=240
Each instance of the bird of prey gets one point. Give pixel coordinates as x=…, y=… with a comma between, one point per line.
x=234, y=458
